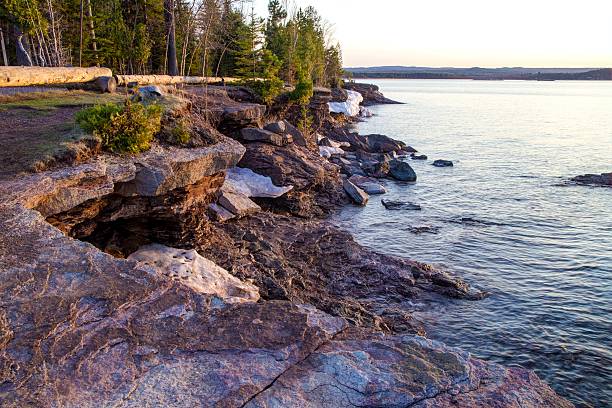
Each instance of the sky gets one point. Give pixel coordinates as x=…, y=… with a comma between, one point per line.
x=468, y=33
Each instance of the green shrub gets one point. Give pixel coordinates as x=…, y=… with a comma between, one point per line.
x=123, y=129
x=303, y=91
x=267, y=89
x=181, y=132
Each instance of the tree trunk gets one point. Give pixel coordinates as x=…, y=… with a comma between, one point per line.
x=25, y=76
x=171, y=37
x=81, y=38
x=92, y=32
x=23, y=58
x=4, y=58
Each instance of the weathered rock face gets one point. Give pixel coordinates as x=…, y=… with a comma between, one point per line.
x=604, y=179
x=312, y=262
x=371, y=93
x=316, y=182
x=226, y=113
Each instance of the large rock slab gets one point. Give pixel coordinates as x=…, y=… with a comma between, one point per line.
x=265, y=136
x=162, y=170
x=403, y=371
x=189, y=268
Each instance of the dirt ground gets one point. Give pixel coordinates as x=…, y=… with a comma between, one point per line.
x=39, y=130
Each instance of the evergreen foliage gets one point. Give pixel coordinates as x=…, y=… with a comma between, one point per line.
x=123, y=129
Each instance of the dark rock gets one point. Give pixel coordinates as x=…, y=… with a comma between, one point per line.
x=310, y=261
x=402, y=171
x=357, y=194
x=276, y=127
x=371, y=93
x=400, y=205
x=376, y=169
x=409, y=149
x=298, y=137
x=265, y=136
x=339, y=95
x=418, y=156
x=383, y=144
x=604, y=179
x=443, y=163
x=423, y=229
x=317, y=185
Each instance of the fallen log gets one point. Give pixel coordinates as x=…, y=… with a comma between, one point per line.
x=128, y=80
x=26, y=76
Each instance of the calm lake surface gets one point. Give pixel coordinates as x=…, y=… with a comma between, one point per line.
x=542, y=250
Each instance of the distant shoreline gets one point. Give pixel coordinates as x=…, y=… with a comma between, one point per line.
x=604, y=74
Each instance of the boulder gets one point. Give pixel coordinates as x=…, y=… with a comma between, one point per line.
x=418, y=156
x=402, y=171
x=357, y=194
x=604, y=179
x=350, y=107
x=376, y=169
x=276, y=127
x=246, y=182
x=367, y=184
x=400, y=205
x=189, y=268
x=317, y=187
x=383, y=144
x=238, y=204
x=327, y=152
x=265, y=136
x=443, y=163
x=149, y=93
x=297, y=135
x=219, y=213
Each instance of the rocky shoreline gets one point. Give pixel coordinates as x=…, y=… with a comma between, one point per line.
x=180, y=278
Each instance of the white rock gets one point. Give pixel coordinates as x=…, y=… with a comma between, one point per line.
x=193, y=270
x=327, y=151
x=350, y=107
x=238, y=204
x=247, y=182
x=365, y=112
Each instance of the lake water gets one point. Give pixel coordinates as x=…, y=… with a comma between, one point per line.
x=543, y=250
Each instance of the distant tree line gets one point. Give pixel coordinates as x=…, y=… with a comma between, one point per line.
x=175, y=37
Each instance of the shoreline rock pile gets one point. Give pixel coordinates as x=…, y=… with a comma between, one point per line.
x=118, y=289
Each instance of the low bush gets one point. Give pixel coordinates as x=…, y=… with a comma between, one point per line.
x=127, y=128
x=266, y=89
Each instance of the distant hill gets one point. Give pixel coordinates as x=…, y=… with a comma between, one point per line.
x=544, y=74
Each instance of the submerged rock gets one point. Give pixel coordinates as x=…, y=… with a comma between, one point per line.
x=443, y=163
x=190, y=268
x=401, y=170
x=357, y=194
x=603, y=179
x=418, y=156
x=400, y=205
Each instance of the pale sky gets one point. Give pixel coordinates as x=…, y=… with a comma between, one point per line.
x=467, y=33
